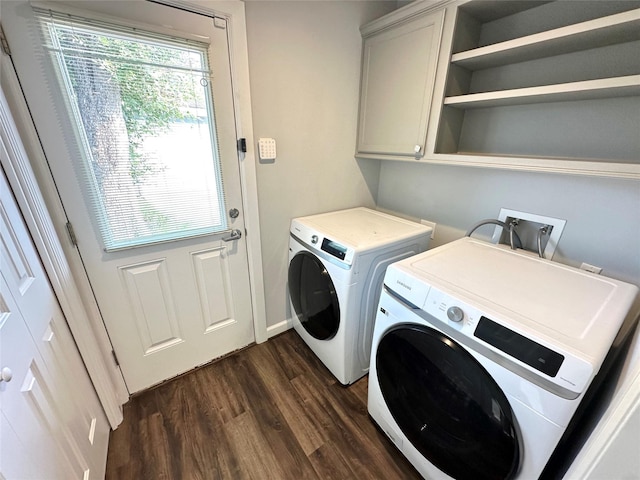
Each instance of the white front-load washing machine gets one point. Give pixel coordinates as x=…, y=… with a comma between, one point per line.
x=481, y=356
x=337, y=262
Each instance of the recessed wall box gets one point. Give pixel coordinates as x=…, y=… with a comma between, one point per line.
x=528, y=227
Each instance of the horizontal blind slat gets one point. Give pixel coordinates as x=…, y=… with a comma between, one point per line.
x=141, y=104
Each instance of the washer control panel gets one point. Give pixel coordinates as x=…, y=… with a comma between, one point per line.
x=434, y=288
x=451, y=311
x=567, y=371
x=473, y=323
x=455, y=314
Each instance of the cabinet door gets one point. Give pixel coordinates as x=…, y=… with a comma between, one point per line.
x=398, y=73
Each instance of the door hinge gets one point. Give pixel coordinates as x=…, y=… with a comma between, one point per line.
x=242, y=145
x=3, y=42
x=115, y=357
x=72, y=234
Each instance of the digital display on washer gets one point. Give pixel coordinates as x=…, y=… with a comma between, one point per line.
x=533, y=354
x=334, y=248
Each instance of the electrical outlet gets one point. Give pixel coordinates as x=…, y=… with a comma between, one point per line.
x=527, y=229
x=429, y=224
x=590, y=268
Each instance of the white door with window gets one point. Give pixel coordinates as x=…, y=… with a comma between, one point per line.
x=144, y=100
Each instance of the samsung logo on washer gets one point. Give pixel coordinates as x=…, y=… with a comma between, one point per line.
x=402, y=284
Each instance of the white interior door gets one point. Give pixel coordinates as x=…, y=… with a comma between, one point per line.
x=51, y=422
x=168, y=305
x=24, y=429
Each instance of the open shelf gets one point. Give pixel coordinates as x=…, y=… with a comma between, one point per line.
x=551, y=87
x=584, y=90
x=618, y=28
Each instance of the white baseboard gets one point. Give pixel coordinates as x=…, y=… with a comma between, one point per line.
x=279, y=328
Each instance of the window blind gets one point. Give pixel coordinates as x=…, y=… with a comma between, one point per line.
x=143, y=116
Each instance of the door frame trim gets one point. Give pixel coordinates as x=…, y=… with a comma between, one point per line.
x=234, y=13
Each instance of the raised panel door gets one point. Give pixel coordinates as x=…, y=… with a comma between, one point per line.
x=50, y=412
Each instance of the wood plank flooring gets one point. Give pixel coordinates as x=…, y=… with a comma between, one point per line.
x=271, y=411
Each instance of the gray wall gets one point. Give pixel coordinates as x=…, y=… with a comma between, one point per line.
x=602, y=214
x=304, y=62
x=603, y=229
x=304, y=70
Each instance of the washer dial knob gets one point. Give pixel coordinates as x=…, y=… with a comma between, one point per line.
x=455, y=314
x=314, y=239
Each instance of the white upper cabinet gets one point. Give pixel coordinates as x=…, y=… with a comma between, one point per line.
x=529, y=85
x=398, y=72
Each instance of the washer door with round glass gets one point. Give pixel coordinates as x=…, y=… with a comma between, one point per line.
x=313, y=296
x=447, y=404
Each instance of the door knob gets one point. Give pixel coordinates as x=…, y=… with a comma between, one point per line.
x=235, y=235
x=6, y=374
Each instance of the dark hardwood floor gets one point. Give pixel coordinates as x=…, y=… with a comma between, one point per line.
x=271, y=411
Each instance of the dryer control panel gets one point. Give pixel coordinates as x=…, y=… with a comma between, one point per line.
x=334, y=248
x=317, y=242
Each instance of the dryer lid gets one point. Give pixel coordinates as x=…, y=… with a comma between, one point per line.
x=362, y=228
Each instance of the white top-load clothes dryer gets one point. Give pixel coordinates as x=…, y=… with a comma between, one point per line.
x=482, y=354
x=337, y=261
